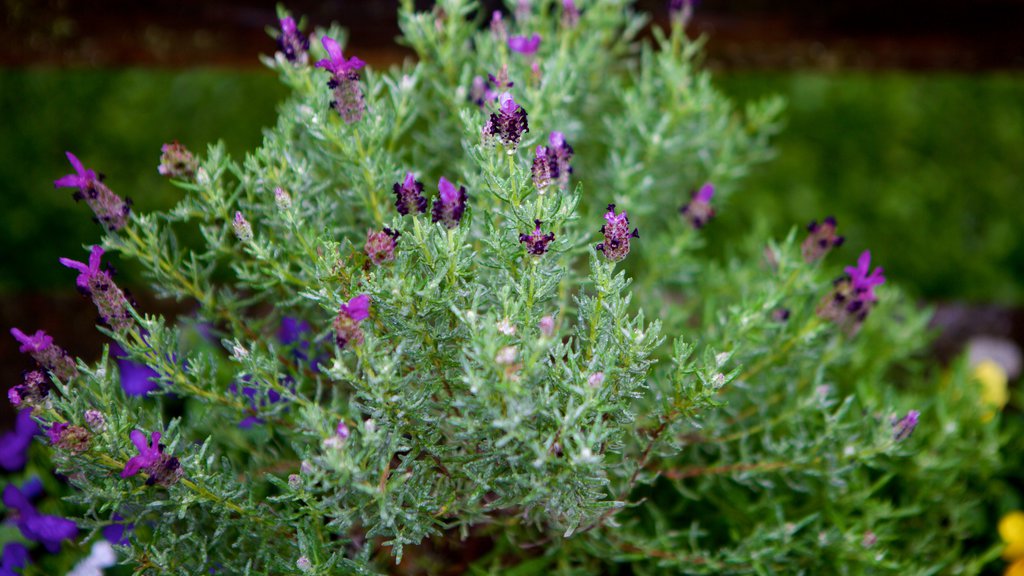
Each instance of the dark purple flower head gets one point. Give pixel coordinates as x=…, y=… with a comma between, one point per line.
x=163, y=469
x=47, y=530
x=820, y=239
x=40, y=346
x=509, y=123
x=136, y=379
x=69, y=437
x=450, y=203
x=32, y=392
x=524, y=45
x=380, y=245
x=904, y=427
x=292, y=43
x=176, y=161
x=348, y=95
x=110, y=301
x=111, y=210
x=616, y=235
x=536, y=241
x=15, y=556
x=570, y=14
x=563, y=153
x=346, y=323
x=409, y=196
x=545, y=169
x=14, y=444
x=853, y=295
x=698, y=210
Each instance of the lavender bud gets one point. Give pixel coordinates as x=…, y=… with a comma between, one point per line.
x=95, y=421
x=616, y=235
x=304, y=564
x=282, y=199
x=33, y=392
x=109, y=209
x=380, y=246
x=821, y=238
x=68, y=437
x=596, y=379
x=547, y=326
x=243, y=231
x=536, y=241
x=698, y=210
x=294, y=45
x=904, y=427
x=294, y=481
x=570, y=14
x=176, y=161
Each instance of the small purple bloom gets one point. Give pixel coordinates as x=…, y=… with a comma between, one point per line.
x=524, y=45
x=409, y=196
x=110, y=301
x=509, y=123
x=863, y=282
x=33, y=392
x=821, y=238
x=40, y=346
x=110, y=210
x=117, y=532
x=904, y=427
x=498, y=29
x=570, y=14
x=616, y=235
x=348, y=96
x=547, y=326
x=545, y=169
x=853, y=295
x=346, y=323
x=136, y=379
x=292, y=43
x=536, y=241
x=563, y=153
x=698, y=210
x=163, y=469
x=69, y=437
x=15, y=556
x=342, y=430
x=176, y=161
x=380, y=245
x=47, y=530
x=450, y=203
x=14, y=444
x=243, y=230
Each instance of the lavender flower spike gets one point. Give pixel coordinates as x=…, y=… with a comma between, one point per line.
x=524, y=45
x=563, y=155
x=346, y=323
x=509, y=123
x=348, y=96
x=698, y=210
x=853, y=295
x=450, y=203
x=536, y=241
x=163, y=469
x=616, y=235
x=176, y=161
x=108, y=298
x=110, y=210
x=904, y=427
x=545, y=169
x=821, y=238
x=40, y=346
x=409, y=196
x=570, y=14
x=864, y=283
x=293, y=44
x=380, y=245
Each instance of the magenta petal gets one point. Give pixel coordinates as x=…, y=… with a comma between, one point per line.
x=94, y=258
x=132, y=467
x=76, y=163
x=448, y=192
x=333, y=49
x=69, y=181
x=139, y=439
x=705, y=193
x=74, y=264
x=358, y=308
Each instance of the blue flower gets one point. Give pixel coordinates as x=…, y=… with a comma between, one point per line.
x=14, y=445
x=45, y=529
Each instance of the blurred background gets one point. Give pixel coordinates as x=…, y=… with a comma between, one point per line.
x=905, y=121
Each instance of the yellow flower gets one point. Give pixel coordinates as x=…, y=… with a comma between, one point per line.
x=994, y=390
x=1015, y=569
x=1011, y=530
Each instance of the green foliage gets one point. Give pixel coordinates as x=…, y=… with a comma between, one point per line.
x=668, y=421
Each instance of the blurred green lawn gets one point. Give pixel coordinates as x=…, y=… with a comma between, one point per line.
x=925, y=170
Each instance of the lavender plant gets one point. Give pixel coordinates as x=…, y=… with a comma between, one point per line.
x=543, y=361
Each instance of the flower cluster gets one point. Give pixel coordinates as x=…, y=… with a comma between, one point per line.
x=380, y=245
x=853, y=295
x=293, y=44
x=33, y=392
x=41, y=348
x=450, y=203
x=14, y=444
x=616, y=235
x=110, y=301
x=409, y=196
x=821, y=238
x=551, y=164
x=524, y=45
x=110, y=210
x=346, y=323
x=698, y=210
x=484, y=91
x=348, y=95
x=176, y=161
x=69, y=437
x=536, y=241
x=509, y=123
x=162, y=469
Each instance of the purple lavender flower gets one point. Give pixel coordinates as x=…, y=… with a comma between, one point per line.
x=14, y=444
x=163, y=469
x=904, y=427
x=545, y=169
x=853, y=295
x=346, y=323
x=243, y=230
x=109, y=299
x=498, y=29
x=536, y=241
x=616, y=235
x=342, y=430
x=563, y=155
x=136, y=379
x=292, y=43
x=450, y=203
x=176, y=161
x=40, y=346
x=698, y=210
x=509, y=123
x=409, y=196
x=820, y=239
x=110, y=210
x=524, y=45
x=95, y=420
x=15, y=555
x=47, y=530
x=348, y=95
x=570, y=14
x=32, y=392
x=117, y=531
x=69, y=437
x=380, y=245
